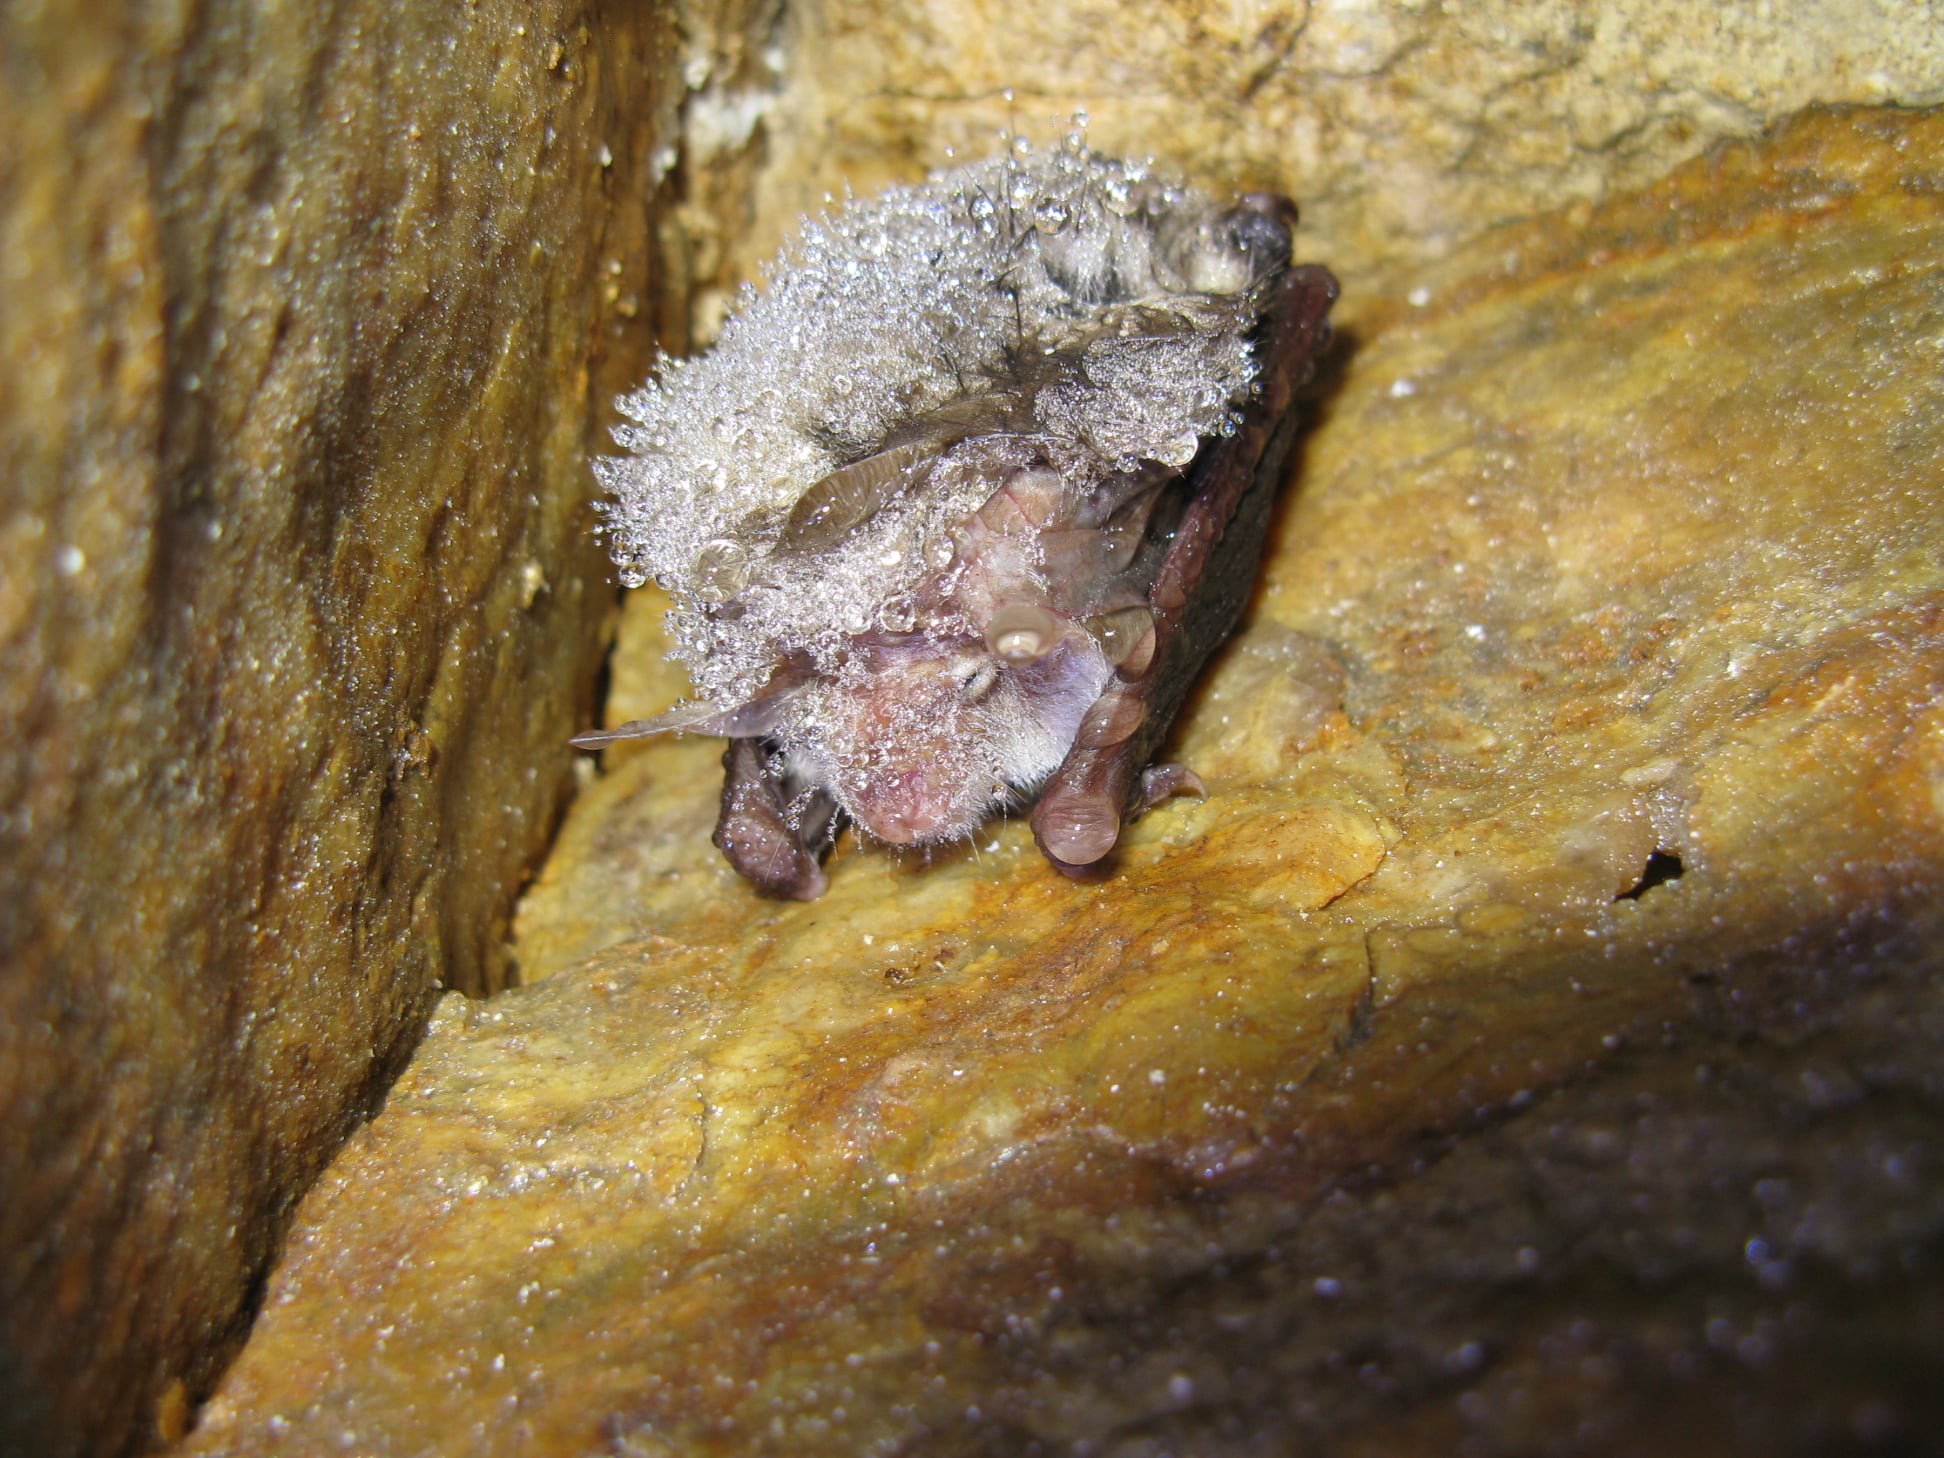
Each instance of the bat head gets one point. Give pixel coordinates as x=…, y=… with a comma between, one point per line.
x=919, y=739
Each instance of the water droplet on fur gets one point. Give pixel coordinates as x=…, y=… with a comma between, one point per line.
x=1181, y=450
x=898, y=616
x=1120, y=633
x=1050, y=214
x=1021, y=631
x=721, y=570
x=940, y=552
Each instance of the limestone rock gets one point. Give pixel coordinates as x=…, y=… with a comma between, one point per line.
x=1531, y=1041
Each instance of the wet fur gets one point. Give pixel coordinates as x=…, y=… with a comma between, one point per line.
x=996, y=575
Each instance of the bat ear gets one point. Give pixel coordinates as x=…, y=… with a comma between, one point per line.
x=754, y=720
x=1276, y=220
x=1240, y=247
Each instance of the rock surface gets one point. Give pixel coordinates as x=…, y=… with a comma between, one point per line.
x=306, y=319
x=1402, y=127
x=1532, y=1042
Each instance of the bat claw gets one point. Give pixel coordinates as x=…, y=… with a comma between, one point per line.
x=1164, y=781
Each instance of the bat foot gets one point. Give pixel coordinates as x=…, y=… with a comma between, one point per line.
x=757, y=833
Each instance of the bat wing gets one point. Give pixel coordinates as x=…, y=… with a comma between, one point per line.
x=1199, y=590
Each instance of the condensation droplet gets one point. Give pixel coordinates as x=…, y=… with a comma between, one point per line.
x=898, y=616
x=940, y=552
x=1180, y=451
x=721, y=570
x=1019, y=632
x=1120, y=633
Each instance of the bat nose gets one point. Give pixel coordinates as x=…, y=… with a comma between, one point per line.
x=905, y=809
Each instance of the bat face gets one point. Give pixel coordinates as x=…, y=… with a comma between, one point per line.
x=940, y=511
x=919, y=747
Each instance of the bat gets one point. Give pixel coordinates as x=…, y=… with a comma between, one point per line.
x=954, y=511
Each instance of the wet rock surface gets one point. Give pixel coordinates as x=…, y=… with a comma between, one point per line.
x=305, y=322
x=1529, y=1044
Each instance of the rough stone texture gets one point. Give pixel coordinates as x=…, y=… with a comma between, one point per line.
x=306, y=317
x=1401, y=126
x=1530, y=1045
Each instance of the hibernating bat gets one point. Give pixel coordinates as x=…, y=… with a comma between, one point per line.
x=954, y=510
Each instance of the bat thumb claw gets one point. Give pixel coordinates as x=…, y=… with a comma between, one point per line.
x=1164, y=781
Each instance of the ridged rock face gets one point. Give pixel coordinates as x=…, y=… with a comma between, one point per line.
x=1531, y=1040
x=307, y=318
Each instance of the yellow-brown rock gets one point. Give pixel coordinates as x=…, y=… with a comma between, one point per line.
x=1530, y=1044
x=306, y=318
x=1402, y=127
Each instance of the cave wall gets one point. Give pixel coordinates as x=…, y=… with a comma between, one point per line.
x=308, y=317
x=1402, y=128
x=1532, y=1043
